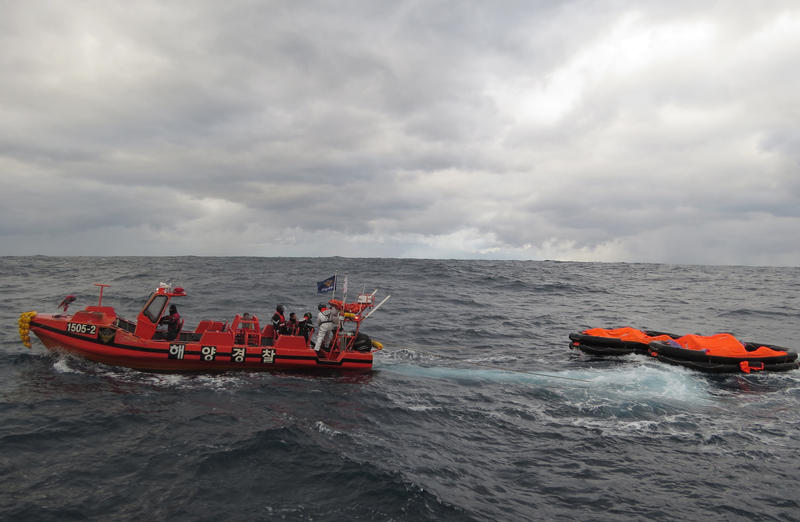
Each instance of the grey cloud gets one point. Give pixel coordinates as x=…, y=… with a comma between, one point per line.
x=569, y=130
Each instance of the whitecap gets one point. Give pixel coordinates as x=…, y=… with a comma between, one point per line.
x=326, y=430
x=62, y=364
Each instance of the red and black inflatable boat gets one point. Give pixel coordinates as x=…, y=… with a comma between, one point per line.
x=719, y=353
x=99, y=334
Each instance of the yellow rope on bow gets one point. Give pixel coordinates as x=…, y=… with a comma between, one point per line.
x=25, y=327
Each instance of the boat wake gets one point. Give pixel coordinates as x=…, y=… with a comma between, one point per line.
x=621, y=384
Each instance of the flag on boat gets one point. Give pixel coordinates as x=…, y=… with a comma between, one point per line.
x=328, y=285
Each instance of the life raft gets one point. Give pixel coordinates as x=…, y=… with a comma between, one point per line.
x=616, y=341
x=723, y=353
x=719, y=353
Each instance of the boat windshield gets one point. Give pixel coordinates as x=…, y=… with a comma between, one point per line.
x=155, y=307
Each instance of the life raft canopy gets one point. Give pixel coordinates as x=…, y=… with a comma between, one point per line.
x=725, y=345
x=628, y=334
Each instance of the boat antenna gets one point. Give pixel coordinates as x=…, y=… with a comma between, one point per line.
x=100, y=300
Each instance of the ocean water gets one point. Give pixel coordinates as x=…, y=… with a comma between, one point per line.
x=476, y=409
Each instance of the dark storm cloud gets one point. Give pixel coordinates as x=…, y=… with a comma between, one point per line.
x=562, y=130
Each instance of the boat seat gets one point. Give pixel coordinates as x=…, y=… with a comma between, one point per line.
x=211, y=326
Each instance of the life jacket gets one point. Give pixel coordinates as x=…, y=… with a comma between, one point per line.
x=278, y=324
x=278, y=319
x=291, y=327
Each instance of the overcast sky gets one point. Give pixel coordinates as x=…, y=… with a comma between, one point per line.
x=622, y=130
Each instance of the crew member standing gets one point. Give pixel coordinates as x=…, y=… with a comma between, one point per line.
x=326, y=321
x=291, y=324
x=278, y=321
x=305, y=326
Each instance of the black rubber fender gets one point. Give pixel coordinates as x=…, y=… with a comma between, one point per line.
x=677, y=352
x=362, y=343
x=605, y=345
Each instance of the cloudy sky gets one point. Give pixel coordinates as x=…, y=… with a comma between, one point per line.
x=619, y=130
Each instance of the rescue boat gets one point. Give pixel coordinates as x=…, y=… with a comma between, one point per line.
x=99, y=334
x=718, y=353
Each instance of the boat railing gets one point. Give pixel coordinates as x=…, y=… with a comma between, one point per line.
x=246, y=330
x=248, y=324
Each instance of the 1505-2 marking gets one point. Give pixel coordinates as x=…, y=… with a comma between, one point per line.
x=81, y=328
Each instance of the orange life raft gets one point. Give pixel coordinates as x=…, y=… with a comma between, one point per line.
x=616, y=341
x=719, y=353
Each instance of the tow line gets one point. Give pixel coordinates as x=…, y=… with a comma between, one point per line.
x=492, y=366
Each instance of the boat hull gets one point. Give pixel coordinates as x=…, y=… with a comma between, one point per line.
x=117, y=347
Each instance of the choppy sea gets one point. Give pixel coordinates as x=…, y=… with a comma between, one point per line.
x=476, y=409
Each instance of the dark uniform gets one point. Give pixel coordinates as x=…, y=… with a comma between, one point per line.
x=279, y=321
x=173, y=321
x=291, y=324
x=305, y=327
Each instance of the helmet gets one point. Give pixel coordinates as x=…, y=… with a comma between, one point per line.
x=307, y=315
x=321, y=306
x=279, y=308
